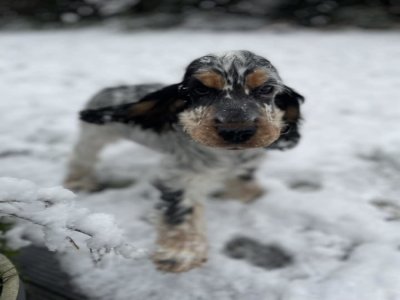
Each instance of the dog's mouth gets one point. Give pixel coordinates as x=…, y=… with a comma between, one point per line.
x=234, y=148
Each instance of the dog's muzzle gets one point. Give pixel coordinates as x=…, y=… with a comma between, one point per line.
x=237, y=125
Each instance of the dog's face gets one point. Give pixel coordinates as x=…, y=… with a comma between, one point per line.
x=235, y=100
x=231, y=101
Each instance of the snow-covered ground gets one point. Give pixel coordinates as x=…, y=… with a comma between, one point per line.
x=333, y=203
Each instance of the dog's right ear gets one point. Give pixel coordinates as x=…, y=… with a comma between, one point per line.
x=289, y=101
x=157, y=110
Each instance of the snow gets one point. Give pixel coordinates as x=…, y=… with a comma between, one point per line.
x=332, y=203
x=54, y=213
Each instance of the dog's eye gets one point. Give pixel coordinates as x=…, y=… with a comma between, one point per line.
x=201, y=90
x=266, y=89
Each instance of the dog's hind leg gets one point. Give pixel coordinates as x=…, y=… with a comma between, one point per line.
x=242, y=184
x=241, y=188
x=81, y=169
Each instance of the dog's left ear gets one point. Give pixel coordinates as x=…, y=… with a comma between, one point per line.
x=289, y=101
x=156, y=111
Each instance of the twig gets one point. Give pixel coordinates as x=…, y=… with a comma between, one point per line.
x=69, y=239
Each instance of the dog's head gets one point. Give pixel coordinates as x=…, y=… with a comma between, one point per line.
x=235, y=100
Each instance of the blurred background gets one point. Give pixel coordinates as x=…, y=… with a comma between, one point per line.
x=332, y=203
x=224, y=14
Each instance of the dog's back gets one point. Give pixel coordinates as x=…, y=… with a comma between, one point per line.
x=121, y=95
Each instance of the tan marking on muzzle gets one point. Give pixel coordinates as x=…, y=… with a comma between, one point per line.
x=199, y=124
x=211, y=79
x=256, y=78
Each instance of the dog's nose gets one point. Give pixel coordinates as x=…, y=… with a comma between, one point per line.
x=233, y=116
x=236, y=135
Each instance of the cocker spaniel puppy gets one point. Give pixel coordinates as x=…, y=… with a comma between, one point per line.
x=213, y=127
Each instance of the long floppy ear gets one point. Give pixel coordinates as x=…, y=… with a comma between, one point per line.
x=156, y=111
x=289, y=101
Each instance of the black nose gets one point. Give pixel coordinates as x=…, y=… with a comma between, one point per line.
x=235, y=116
x=236, y=135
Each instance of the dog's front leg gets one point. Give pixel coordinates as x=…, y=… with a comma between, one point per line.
x=182, y=244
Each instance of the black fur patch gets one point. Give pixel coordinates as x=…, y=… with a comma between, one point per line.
x=173, y=210
x=248, y=175
x=175, y=214
x=167, y=104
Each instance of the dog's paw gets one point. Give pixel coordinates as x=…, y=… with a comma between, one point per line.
x=180, y=253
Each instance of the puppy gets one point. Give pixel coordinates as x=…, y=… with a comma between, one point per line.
x=214, y=128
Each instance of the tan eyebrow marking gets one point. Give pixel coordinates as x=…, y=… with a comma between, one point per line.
x=211, y=79
x=256, y=78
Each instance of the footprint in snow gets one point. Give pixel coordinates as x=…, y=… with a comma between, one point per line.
x=268, y=257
